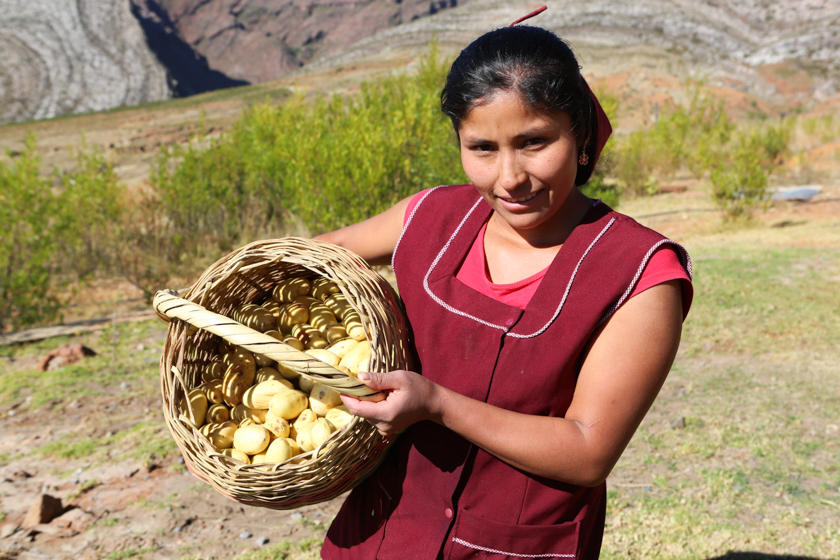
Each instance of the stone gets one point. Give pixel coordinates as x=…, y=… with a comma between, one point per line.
x=43, y=510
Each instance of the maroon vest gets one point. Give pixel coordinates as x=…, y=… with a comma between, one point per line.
x=437, y=495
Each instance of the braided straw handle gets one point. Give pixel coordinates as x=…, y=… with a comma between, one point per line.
x=169, y=305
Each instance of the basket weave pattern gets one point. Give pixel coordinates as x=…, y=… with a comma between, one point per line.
x=200, y=319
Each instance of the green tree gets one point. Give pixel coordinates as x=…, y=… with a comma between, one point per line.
x=29, y=213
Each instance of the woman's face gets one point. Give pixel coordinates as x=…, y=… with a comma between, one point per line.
x=523, y=162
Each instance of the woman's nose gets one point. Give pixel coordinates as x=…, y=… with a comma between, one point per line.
x=511, y=173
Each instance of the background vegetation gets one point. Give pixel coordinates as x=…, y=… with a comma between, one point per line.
x=736, y=459
x=309, y=165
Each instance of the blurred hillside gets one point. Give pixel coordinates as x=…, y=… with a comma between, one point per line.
x=91, y=55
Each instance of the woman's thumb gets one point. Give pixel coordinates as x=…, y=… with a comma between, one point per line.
x=370, y=378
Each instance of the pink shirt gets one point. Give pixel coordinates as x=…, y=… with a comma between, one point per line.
x=663, y=266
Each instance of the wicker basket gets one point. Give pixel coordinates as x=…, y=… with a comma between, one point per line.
x=202, y=318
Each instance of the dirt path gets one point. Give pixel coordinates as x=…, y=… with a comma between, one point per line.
x=114, y=504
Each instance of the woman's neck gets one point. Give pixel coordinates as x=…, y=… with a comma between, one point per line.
x=511, y=255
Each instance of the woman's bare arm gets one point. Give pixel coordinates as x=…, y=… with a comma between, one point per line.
x=620, y=377
x=373, y=239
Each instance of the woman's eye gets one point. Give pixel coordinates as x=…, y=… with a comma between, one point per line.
x=483, y=148
x=532, y=142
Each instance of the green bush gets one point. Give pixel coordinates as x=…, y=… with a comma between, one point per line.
x=327, y=162
x=27, y=211
x=739, y=180
x=57, y=228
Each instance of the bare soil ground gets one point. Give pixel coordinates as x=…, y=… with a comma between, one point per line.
x=121, y=504
x=122, y=500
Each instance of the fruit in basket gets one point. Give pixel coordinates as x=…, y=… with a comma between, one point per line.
x=323, y=398
x=339, y=416
x=217, y=413
x=289, y=288
x=281, y=449
x=309, y=336
x=256, y=410
x=278, y=426
x=288, y=404
x=251, y=439
x=194, y=406
x=236, y=454
x=357, y=358
x=324, y=355
x=320, y=431
x=259, y=395
x=221, y=435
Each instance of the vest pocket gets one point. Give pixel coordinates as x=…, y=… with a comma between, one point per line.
x=477, y=537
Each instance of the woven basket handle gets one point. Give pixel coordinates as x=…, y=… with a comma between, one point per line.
x=169, y=305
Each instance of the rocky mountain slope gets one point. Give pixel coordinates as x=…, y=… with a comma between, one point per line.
x=259, y=40
x=89, y=55
x=779, y=52
x=69, y=57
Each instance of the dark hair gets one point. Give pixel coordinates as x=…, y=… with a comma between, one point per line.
x=532, y=61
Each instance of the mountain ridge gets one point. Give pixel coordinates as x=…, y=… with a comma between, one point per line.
x=90, y=55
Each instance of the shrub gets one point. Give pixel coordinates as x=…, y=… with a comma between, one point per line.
x=57, y=228
x=739, y=183
x=28, y=210
x=327, y=162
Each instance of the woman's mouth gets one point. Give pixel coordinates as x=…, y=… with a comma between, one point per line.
x=519, y=199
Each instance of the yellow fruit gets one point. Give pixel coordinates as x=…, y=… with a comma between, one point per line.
x=258, y=458
x=303, y=436
x=262, y=361
x=292, y=313
x=221, y=436
x=236, y=454
x=288, y=289
x=251, y=439
x=259, y=395
x=239, y=376
x=217, y=413
x=267, y=373
x=323, y=287
x=294, y=342
x=305, y=417
x=281, y=449
x=305, y=383
x=339, y=416
x=194, y=406
x=256, y=317
x=214, y=370
x=323, y=398
x=238, y=413
x=288, y=404
x=206, y=429
x=341, y=347
x=357, y=358
x=320, y=431
x=213, y=390
x=309, y=336
x=324, y=355
x=320, y=316
x=256, y=414
x=278, y=426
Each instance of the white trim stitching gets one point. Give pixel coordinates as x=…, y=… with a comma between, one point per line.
x=568, y=286
x=685, y=260
x=408, y=221
x=467, y=544
x=434, y=264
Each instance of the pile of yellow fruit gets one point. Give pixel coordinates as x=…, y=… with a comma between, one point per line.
x=256, y=410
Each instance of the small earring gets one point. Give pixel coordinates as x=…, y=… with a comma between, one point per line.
x=583, y=159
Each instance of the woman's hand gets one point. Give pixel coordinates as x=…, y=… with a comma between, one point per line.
x=409, y=398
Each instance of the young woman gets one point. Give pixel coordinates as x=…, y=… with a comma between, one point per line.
x=545, y=324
